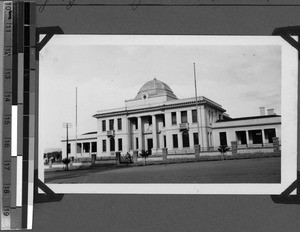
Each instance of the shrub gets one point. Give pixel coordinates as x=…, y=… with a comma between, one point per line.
x=66, y=161
x=145, y=155
x=223, y=149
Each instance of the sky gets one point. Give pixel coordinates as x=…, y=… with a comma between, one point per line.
x=241, y=78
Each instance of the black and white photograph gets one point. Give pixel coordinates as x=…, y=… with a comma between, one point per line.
x=151, y=113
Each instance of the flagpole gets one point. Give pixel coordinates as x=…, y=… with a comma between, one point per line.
x=76, y=126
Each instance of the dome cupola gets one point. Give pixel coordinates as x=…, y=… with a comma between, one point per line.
x=155, y=88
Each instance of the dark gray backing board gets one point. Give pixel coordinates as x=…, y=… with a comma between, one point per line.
x=167, y=212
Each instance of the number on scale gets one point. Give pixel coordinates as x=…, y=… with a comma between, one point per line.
x=8, y=6
x=6, y=143
x=6, y=189
x=7, y=166
x=8, y=52
x=7, y=97
x=7, y=75
x=7, y=120
x=6, y=212
x=8, y=27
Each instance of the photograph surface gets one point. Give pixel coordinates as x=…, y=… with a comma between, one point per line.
x=167, y=114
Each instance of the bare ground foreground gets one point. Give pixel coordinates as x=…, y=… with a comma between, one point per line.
x=260, y=170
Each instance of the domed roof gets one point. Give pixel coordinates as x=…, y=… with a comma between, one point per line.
x=155, y=88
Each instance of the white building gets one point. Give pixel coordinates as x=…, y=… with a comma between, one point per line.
x=157, y=119
x=248, y=131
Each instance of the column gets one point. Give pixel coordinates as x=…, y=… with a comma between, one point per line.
x=74, y=149
x=140, y=133
x=263, y=136
x=161, y=141
x=203, y=131
x=99, y=146
x=247, y=138
x=169, y=138
x=76, y=153
x=180, y=143
x=81, y=149
x=191, y=137
x=128, y=132
x=154, y=131
x=168, y=121
x=189, y=116
x=90, y=149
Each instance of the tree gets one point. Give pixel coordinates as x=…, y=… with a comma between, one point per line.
x=223, y=149
x=56, y=155
x=66, y=161
x=145, y=155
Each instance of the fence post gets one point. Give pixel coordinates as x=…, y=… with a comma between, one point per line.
x=164, y=153
x=234, y=147
x=118, y=157
x=135, y=156
x=93, y=159
x=197, y=151
x=276, y=144
x=50, y=163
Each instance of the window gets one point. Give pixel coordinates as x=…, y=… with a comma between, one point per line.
x=174, y=119
x=165, y=141
x=94, y=146
x=104, y=145
x=270, y=134
x=185, y=139
x=120, y=144
x=196, y=138
x=111, y=124
x=175, y=141
x=86, y=147
x=183, y=117
x=137, y=143
x=223, y=138
x=119, y=123
x=220, y=117
x=112, y=144
x=241, y=137
x=103, y=125
x=194, y=115
x=256, y=136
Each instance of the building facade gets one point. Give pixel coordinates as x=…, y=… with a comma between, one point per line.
x=257, y=131
x=157, y=119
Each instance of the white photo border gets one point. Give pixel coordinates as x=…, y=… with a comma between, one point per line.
x=289, y=106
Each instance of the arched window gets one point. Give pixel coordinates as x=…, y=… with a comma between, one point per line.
x=185, y=139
